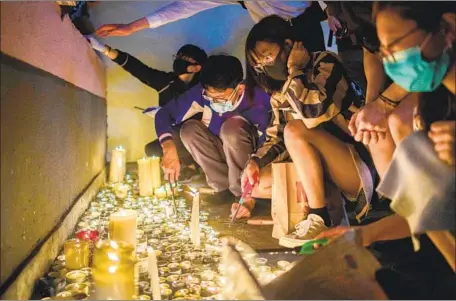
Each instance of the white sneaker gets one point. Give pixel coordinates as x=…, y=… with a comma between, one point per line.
x=306, y=230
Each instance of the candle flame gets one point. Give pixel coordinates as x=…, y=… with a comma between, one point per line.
x=113, y=256
x=113, y=244
x=112, y=269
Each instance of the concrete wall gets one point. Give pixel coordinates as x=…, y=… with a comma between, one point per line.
x=53, y=125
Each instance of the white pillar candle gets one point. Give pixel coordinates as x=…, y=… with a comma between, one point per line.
x=118, y=166
x=153, y=274
x=122, y=226
x=156, y=175
x=145, y=177
x=195, y=223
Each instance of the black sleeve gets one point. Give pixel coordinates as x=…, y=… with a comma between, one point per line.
x=154, y=78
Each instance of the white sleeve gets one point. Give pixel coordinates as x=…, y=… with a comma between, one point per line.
x=178, y=10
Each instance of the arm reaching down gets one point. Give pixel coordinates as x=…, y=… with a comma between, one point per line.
x=172, y=12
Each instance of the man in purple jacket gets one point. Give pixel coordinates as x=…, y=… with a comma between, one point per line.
x=230, y=130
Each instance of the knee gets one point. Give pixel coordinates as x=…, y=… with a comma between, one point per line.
x=189, y=129
x=295, y=130
x=233, y=129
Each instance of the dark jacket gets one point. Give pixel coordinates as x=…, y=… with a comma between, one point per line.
x=167, y=84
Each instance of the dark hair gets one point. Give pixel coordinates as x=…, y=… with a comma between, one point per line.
x=272, y=29
x=194, y=52
x=426, y=14
x=221, y=72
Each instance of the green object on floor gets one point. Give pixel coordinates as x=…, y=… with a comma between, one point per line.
x=307, y=248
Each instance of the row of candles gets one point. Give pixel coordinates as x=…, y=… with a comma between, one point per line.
x=145, y=248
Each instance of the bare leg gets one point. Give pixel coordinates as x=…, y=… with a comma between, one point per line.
x=314, y=151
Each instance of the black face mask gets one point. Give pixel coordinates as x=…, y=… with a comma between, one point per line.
x=279, y=70
x=180, y=66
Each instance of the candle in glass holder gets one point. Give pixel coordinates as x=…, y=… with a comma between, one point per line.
x=118, y=165
x=114, y=271
x=121, y=190
x=160, y=192
x=195, y=222
x=122, y=226
x=155, y=168
x=153, y=273
x=145, y=177
x=76, y=254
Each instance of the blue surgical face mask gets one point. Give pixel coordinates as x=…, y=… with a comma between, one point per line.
x=409, y=70
x=222, y=108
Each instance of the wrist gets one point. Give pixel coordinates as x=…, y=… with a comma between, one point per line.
x=106, y=50
x=168, y=144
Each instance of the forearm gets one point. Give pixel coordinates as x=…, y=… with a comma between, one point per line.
x=389, y=228
x=375, y=75
x=137, y=25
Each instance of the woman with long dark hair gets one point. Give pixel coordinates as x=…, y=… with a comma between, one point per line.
x=312, y=101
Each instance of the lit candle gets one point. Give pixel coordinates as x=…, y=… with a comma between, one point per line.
x=114, y=271
x=160, y=192
x=153, y=273
x=122, y=226
x=195, y=222
x=76, y=254
x=145, y=177
x=121, y=190
x=118, y=166
x=156, y=175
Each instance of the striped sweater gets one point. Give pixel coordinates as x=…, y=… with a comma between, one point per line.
x=321, y=95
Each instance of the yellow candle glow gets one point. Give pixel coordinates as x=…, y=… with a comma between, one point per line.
x=153, y=273
x=156, y=175
x=122, y=226
x=114, y=271
x=195, y=223
x=160, y=192
x=121, y=190
x=118, y=166
x=76, y=254
x=145, y=177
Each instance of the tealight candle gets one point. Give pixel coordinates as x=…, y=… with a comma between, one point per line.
x=118, y=165
x=76, y=277
x=76, y=254
x=122, y=226
x=160, y=192
x=121, y=190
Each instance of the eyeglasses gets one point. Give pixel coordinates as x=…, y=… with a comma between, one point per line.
x=385, y=51
x=267, y=60
x=219, y=100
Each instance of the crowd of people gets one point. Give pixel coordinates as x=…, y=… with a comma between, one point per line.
x=344, y=118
